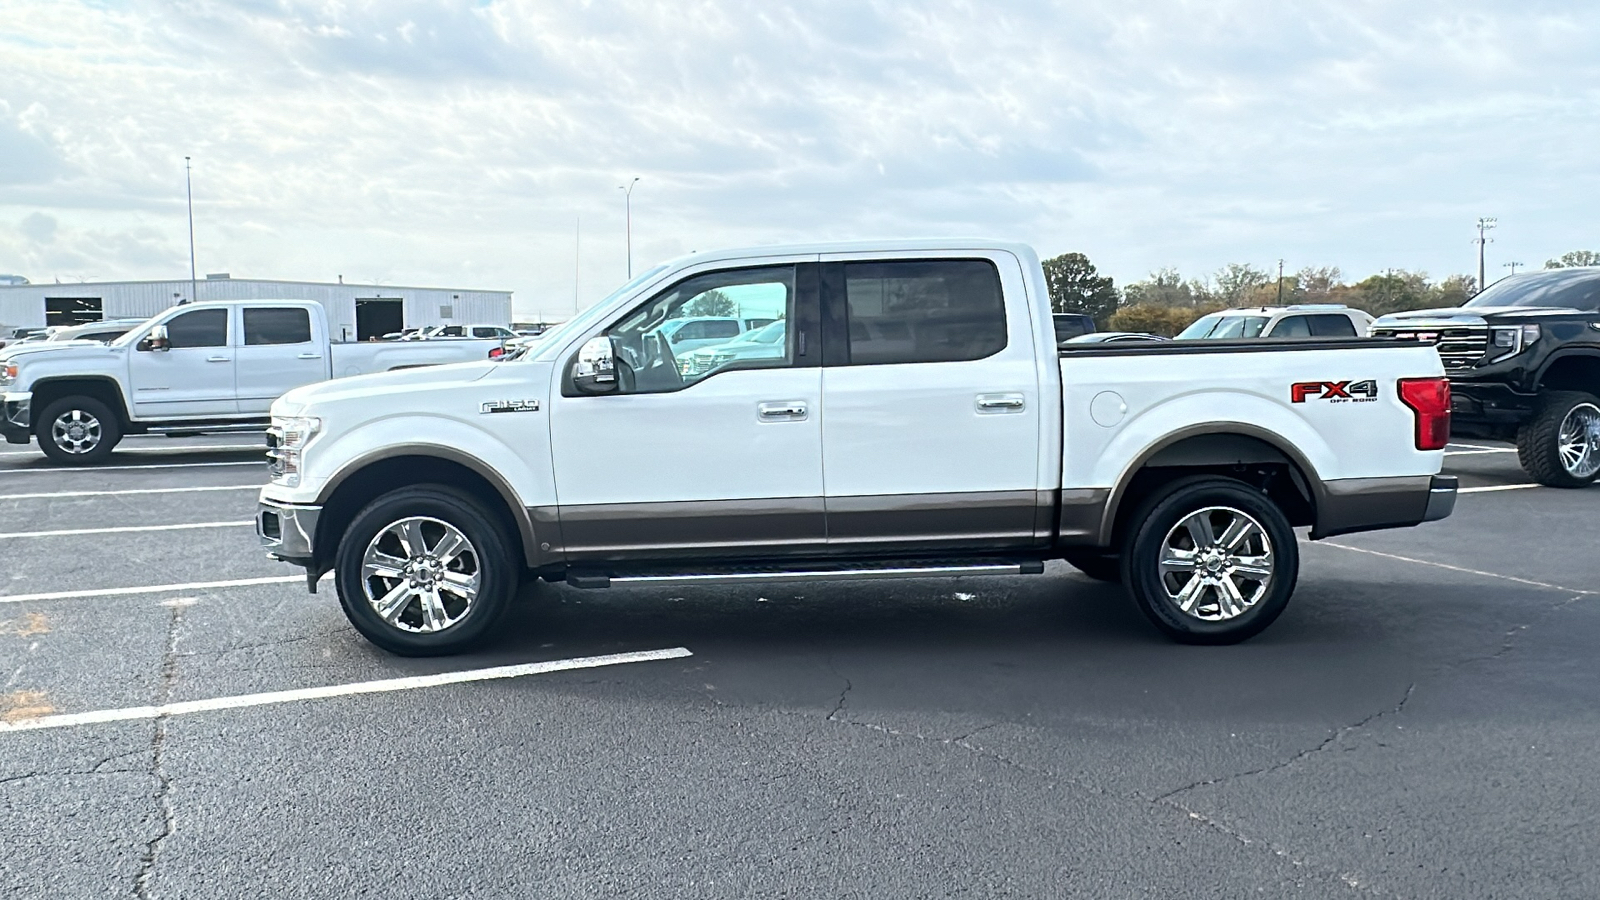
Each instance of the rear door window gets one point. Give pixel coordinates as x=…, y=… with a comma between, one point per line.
x=1332, y=325
x=918, y=311
x=1291, y=327
x=276, y=325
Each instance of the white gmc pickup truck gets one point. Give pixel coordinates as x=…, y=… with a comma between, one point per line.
x=917, y=421
x=194, y=368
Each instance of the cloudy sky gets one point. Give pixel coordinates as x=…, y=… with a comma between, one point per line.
x=458, y=144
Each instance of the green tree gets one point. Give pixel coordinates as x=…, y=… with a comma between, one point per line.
x=711, y=303
x=1164, y=287
x=1075, y=286
x=1237, y=281
x=1394, y=291
x=1455, y=290
x=1574, y=259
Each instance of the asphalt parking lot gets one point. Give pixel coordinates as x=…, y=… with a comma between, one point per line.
x=1421, y=722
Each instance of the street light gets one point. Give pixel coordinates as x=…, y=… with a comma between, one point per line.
x=1484, y=224
x=188, y=193
x=627, y=202
x=1512, y=266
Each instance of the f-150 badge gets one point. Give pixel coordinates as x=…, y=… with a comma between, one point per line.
x=505, y=406
x=1334, y=391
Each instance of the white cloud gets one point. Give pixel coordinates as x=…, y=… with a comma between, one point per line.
x=456, y=143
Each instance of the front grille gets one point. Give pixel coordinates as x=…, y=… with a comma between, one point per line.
x=1460, y=346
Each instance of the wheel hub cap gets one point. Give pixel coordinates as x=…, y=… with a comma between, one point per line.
x=420, y=575
x=1216, y=563
x=1579, y=441
x=76, y=431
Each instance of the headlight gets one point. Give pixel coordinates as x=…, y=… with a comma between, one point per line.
x=1509, y=340
x=8, y=373
x=286, y=442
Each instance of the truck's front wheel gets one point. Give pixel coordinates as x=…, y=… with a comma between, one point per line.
x=1210, y=560
x=424, y=571
x=1560, y=445
x=77, y=431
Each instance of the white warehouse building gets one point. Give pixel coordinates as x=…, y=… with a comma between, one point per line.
x=355, y=311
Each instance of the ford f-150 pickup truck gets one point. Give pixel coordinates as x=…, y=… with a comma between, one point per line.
x=919, y=422
x=194, y=368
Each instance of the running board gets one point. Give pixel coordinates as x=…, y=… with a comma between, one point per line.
x=833, y=572
x=208, y=429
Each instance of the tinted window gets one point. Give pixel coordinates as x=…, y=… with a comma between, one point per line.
x=1291, y=326
x=1071, y=326
x=200, y=328
x=1569, y=288
x=277, y=326
x=1331, y=325
x=916, y=311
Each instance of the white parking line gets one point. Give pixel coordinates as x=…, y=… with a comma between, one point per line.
x=43, y=469
x=241, y=701
x=1495, y=487
x=154, y=589
x=1480, y=450
x=190, y=449
x=53, y=495
x=124, y=529
x=1474, y=446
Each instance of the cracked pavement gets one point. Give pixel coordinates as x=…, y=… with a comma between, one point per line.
x=1421, y=722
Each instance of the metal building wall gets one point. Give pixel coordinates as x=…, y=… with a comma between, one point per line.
x=22, y=306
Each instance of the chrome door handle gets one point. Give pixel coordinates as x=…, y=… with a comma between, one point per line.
x=791, y=411
x=219, y=359
x=1001, y=403
x=309, y=356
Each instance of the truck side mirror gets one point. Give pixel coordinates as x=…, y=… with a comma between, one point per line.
x=595, y=371
x=155, y=340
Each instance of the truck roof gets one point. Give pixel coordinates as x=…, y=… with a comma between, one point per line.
x=901, y=245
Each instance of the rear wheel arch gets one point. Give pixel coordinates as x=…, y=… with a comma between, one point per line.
x=1253, y=456
x=367, y=478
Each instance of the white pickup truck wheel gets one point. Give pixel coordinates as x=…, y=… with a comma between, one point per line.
x=77, y=431
x=1211, y=561
x=424, y=571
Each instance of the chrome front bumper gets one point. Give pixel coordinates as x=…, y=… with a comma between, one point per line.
x=288, y=531
x=16, y=416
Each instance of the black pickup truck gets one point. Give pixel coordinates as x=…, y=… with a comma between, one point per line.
x=1523, y=358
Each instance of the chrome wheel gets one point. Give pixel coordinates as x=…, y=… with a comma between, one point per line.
x=421, y=574
x=76, y=432
x=1216, y=563
x=1578, y=441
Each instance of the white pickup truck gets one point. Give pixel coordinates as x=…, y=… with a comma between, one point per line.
x=194, y=368
x=920, y=421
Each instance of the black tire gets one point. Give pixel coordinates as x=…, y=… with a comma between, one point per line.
x=1539, y=439
x=497, y=571
x=1095, y=564
x=1158, y=520
x=90, y=431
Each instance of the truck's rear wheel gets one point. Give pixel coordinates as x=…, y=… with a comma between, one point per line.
x=1210, y=560
x=77, y=431
x=424, y=571
x=1560, y=445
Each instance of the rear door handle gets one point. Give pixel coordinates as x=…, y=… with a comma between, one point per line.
x=219, y=359
x=1001, y=403
x=782, y=411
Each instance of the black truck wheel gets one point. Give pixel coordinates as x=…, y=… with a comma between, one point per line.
x=77, y=431
x=1560, y=445
x=425, y=571
x=1210, y=560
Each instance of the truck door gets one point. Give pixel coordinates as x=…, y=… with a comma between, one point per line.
x=280, y=349
x=931, y=387
x=193, y=379
x=681, y=462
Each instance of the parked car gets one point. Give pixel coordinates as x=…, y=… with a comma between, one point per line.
x=1071, y=325
x=1524, y=363
x=103, y=331
x=214, y=366
x=479, y=332
x=765, y=343
x=975, y=447
x=1116, y=337
x=404, y=334
x=1309, y=320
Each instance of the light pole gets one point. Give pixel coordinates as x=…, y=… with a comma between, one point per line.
x=1512, y=266
x=1280, y=282
x=627, y=205
x=1484, y=224
x=188, y=193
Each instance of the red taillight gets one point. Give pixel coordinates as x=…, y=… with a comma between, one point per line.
x=497, y=352
x=1429, y=398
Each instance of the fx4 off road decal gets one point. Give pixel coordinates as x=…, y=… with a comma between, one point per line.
x=1334, y=391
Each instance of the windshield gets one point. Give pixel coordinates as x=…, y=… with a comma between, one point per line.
x=582, y=320
x=1219, y=327
x=1568, y=288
